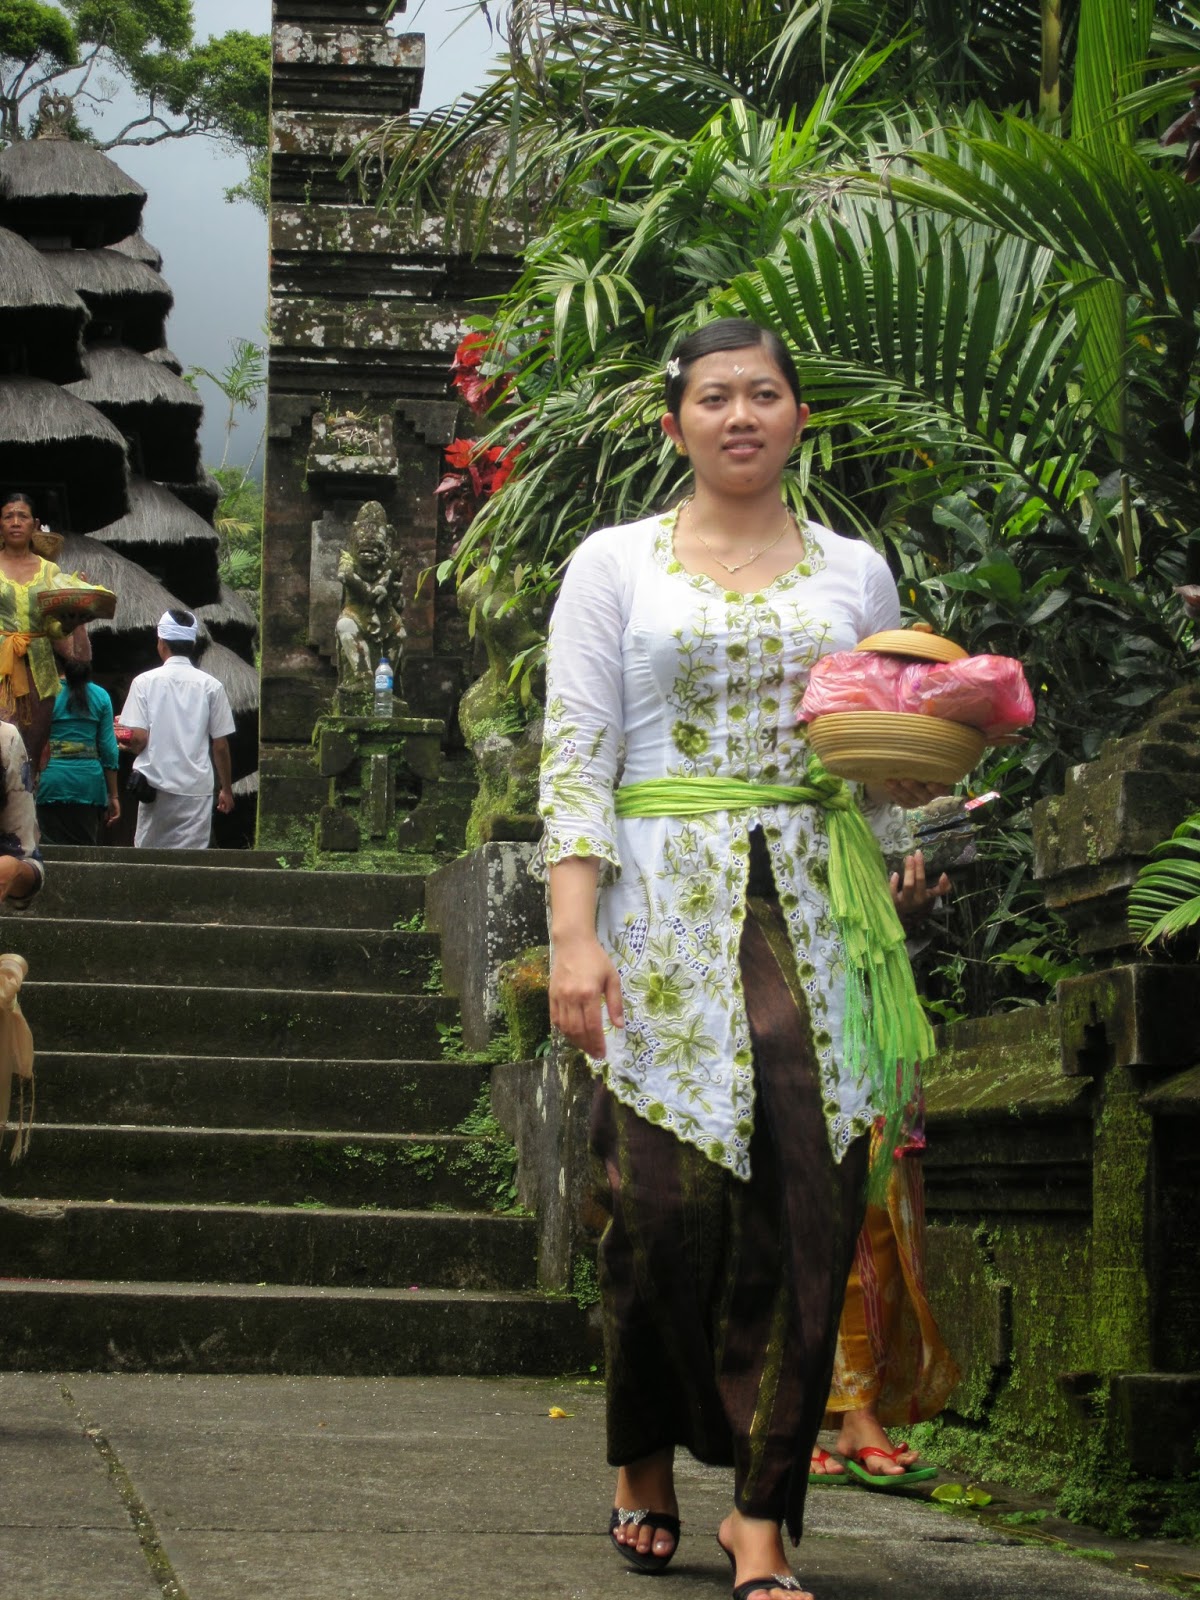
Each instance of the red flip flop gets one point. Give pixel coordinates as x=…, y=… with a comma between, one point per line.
x=886, y=1480
x=827, y=1479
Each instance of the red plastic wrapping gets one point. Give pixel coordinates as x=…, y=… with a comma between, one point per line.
x=985, y=692
x=852, y=680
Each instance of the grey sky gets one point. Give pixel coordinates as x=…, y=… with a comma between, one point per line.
x=215, y=254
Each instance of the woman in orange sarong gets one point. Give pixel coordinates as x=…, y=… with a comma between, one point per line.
x=892, y=1367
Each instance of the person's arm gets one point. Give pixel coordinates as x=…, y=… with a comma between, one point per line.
x=220, y=755
x=108, y=750
x=112, y=809
x=135, y=719
x=21, y=868
x=581, y=973
x=584, y=716
x=19, y=880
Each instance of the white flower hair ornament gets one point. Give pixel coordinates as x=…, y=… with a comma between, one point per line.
x=673, y=367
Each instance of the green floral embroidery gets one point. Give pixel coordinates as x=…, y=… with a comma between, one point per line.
x=689, y=740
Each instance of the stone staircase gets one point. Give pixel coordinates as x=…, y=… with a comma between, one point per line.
x=250, y=1152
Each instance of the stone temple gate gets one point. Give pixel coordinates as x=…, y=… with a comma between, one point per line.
x=365, y=313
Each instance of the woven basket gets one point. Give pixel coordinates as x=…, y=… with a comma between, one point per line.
x=74, y=605
x=914, y=642
x=872, y=746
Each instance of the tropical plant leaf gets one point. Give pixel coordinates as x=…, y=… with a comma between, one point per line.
x=1164, y=899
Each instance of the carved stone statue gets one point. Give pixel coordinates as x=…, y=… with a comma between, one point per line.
x=370, y=624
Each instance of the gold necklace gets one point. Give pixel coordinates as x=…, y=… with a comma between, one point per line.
x=750, y=559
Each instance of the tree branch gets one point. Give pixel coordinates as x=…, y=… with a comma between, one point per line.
x=20, y=95
x=193, y=125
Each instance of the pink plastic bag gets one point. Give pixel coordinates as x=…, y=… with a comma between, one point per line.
x=852, y=680
x=986, y=692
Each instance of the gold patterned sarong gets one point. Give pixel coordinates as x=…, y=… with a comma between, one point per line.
x=890, y=1355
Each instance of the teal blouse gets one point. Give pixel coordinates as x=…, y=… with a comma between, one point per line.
x=83, y=746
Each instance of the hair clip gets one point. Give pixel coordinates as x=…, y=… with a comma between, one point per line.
x=673, y=367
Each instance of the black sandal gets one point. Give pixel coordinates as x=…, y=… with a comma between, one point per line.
x=777, y=1580
x=644, y=1561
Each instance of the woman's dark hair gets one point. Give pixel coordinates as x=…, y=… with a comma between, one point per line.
x=726, y=333
x=18, y=496
x=78, y=675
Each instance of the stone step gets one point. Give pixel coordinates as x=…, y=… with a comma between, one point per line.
x=76, y=1239
x=217, y=1327
x=126, y=855
x=400, y=1171
x=243, y=1022
x=135, y=891
x=211, y=956
x=256, y=1092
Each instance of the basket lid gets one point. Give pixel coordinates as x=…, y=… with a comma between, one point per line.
x=913, y=642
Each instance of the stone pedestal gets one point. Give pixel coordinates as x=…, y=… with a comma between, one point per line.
x=487, y=909
x=382, y=777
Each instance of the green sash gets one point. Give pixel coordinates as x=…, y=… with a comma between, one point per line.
x=885, y=1033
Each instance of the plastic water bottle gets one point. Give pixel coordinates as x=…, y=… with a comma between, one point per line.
x=383, y=688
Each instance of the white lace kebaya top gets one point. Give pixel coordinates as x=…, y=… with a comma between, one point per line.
x=656, y=672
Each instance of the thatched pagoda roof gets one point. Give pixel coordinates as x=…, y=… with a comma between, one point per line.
x=147, y=401
x=202, y=493
x=238, y=677
x=141, y=599
x=40, y=317
x=231, y=620
x=109, y=275
x=64, y=452
x=166, y=358
x=127, y=299
x=60, y=188
x=156, y=516
x=175, y=545
x=139, y=248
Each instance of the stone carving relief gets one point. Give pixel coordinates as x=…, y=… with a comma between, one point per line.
x=370, y=623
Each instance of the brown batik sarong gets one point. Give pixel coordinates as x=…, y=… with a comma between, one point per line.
x=721, y=1297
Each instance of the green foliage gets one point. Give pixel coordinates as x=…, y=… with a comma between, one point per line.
x=995, y=317
x=217, y=87
x=1164, y=900
x=450, y=1037
x=30, y=31
x=585, y=1286
x=488, y=1160
x=239, y=516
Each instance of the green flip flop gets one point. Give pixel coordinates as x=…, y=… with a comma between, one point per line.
x=827, y=1479
x=886, y=1480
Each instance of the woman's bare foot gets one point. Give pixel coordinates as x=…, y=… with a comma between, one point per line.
x=756, y=1546
x=861, y=1434
x=649, y=1484
x=822, y=1464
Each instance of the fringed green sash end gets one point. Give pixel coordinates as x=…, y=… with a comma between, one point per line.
x=886, y=1036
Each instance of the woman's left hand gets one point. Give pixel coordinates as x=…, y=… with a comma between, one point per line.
x=913, y=898
x=910, y=794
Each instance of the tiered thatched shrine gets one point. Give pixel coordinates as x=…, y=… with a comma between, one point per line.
x=98, y=425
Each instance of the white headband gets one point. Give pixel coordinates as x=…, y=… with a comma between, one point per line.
x=175, y=632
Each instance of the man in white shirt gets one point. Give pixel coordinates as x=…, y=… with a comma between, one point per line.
x=177, y=720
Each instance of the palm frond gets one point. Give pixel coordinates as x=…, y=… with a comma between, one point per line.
x=1165, y=898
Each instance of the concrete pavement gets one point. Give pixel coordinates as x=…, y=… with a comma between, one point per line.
x=132, y=1487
